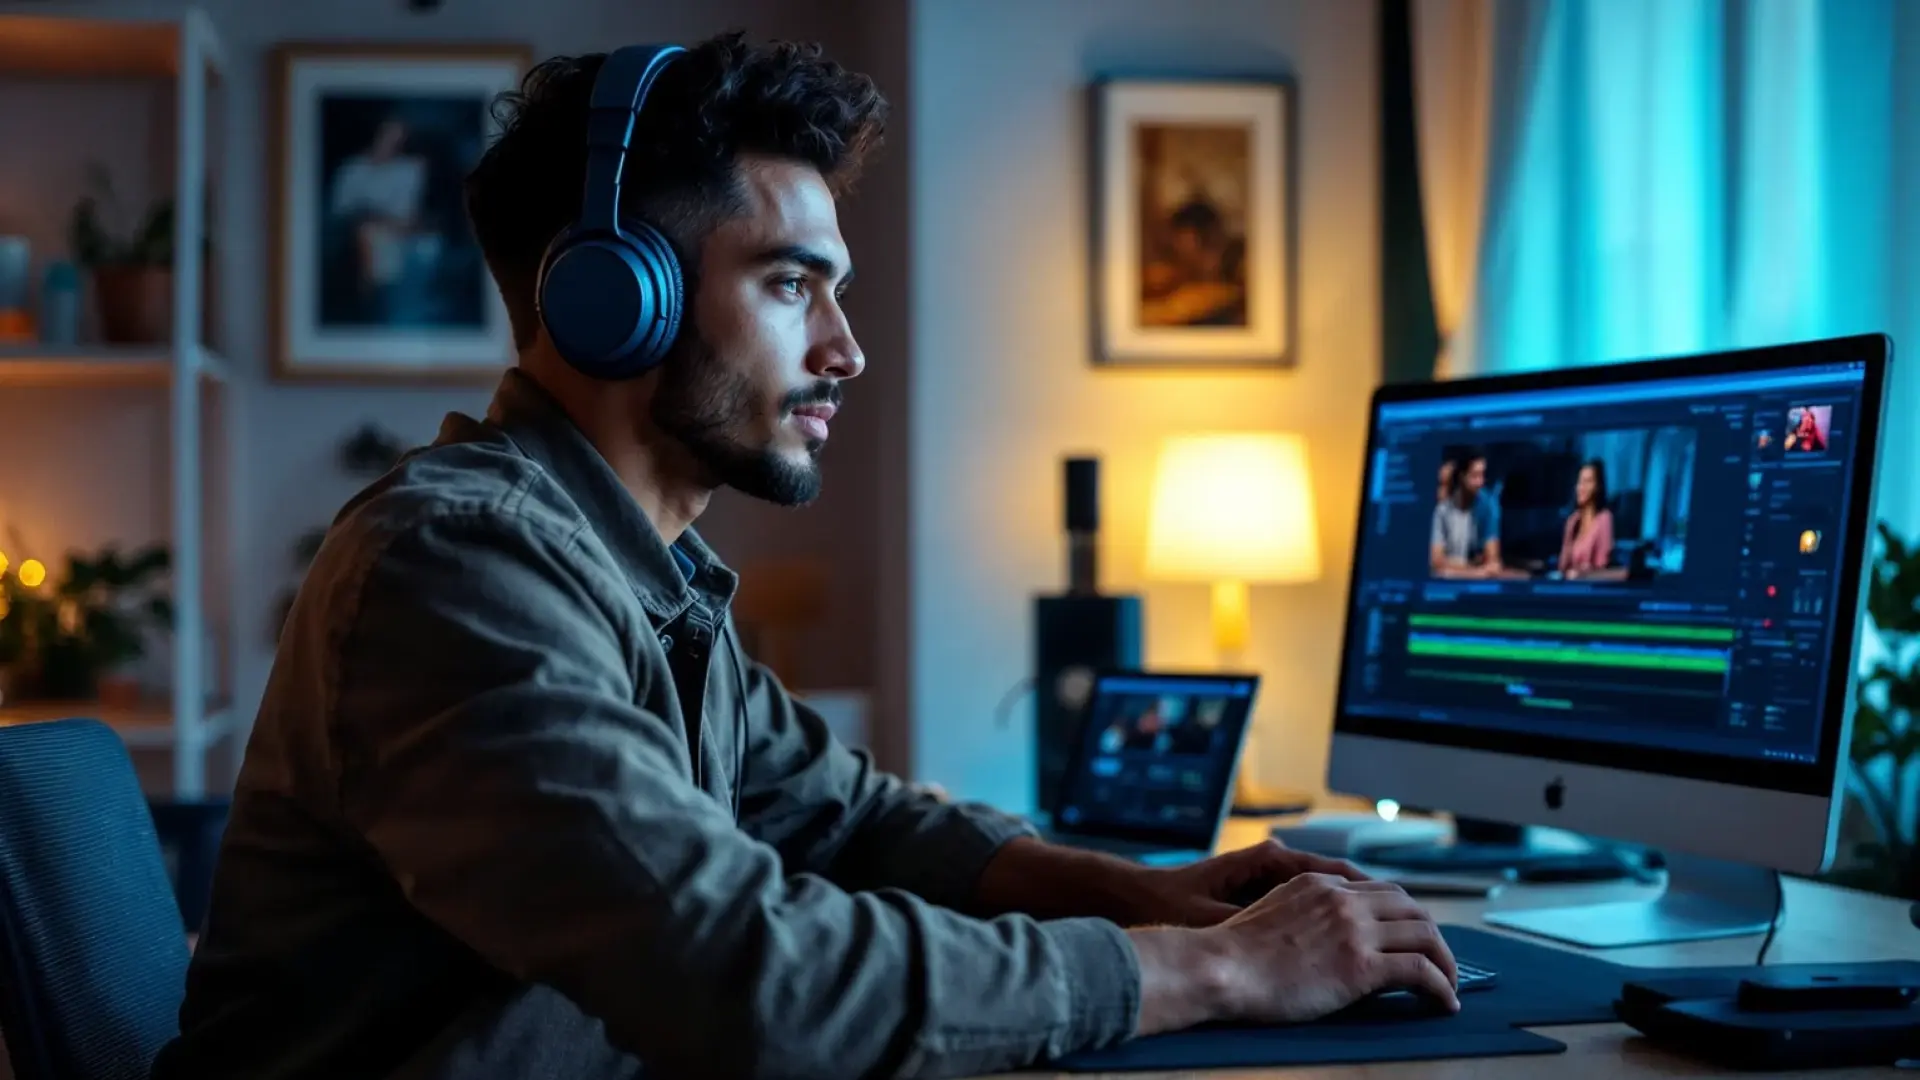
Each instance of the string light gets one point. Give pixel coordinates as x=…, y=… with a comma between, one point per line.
x=32, y=573
x=3, y=564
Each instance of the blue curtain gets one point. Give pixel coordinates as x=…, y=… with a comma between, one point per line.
x=1672, y=176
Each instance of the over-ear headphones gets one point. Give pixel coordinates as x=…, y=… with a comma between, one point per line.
x=610, y=289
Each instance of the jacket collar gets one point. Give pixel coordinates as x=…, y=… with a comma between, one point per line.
x=532, y=420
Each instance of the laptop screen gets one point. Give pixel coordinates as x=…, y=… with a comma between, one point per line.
x=1156, y=757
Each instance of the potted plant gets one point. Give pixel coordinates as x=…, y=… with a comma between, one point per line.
x=100, y=614
x=1886, y=729
x=132, y=273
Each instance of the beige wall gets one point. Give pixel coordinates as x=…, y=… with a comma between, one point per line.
x=1003, y=388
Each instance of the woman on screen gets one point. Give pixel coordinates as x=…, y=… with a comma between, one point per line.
x=1587, y=544
x=1805, y=436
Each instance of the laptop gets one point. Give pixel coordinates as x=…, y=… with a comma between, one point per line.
x=1151, y=774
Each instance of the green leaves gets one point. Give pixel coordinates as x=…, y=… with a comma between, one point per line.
x=149, y=243
x=1893, y=593
x=93, y=620
x=1886, y=736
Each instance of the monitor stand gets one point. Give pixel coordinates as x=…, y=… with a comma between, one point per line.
x=1704, y=899
x=1478, y=847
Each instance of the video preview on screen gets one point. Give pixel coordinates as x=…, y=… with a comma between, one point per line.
x=1168, y=723
x=1604, y=506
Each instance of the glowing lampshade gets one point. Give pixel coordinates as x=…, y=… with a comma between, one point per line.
x=1233, y=510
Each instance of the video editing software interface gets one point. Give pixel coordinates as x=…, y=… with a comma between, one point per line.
x=1158, y=753
x=1653, y=563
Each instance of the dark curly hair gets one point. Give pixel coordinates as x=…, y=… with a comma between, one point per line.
x=724, y=98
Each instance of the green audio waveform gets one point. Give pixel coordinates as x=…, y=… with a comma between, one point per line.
x=1569, y=654
x=1660, y=631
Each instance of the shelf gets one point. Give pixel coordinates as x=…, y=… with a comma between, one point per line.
x=144, y=727
x=100, y=365
x=152, y=50
x=98, y=44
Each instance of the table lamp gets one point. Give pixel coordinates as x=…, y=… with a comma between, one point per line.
x=1234, y=510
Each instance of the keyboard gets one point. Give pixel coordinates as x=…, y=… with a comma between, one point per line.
x=1475, y=977
x=1472, y=977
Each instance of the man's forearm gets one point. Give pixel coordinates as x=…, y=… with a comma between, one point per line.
x=1050, y=881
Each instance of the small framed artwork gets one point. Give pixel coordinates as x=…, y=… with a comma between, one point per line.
x=1193, y=228
x=376, y=275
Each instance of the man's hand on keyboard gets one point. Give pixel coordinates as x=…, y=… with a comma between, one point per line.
x=1309, y=948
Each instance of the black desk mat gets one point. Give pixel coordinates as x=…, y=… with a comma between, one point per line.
x=1539, y=986
x=1307, y=1044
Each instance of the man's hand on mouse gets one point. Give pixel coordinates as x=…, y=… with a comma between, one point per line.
x=1312, y=946
x=1214, y=890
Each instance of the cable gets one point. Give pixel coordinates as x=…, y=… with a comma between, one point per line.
x=1779, y=909
x=1003, y=711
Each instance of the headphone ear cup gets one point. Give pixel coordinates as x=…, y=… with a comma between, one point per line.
x=667, y=288
x=611, y=304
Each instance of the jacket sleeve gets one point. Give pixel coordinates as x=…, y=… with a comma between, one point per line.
x=493, y=759
x=828, y=810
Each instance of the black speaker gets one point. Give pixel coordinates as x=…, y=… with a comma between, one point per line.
x=1075, y=635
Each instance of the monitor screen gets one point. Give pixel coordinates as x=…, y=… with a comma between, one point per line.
x=1591, y=572
x=1156, y=756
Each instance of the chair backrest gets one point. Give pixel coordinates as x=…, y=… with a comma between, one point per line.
x=93, y=959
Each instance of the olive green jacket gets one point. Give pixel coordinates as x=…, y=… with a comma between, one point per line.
x=517, y=805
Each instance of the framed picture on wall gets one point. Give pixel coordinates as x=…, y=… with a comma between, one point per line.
x=1193, y=224
x=375, y=273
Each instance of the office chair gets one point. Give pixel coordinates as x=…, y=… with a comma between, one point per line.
x=93, y=958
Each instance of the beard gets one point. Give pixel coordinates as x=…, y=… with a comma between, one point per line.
x=708, y=408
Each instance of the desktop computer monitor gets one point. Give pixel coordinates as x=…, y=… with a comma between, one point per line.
x=1623, y=601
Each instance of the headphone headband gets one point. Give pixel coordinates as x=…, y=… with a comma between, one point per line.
x=619, y=93
x=610, y=289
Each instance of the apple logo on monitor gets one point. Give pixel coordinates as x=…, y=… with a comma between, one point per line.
x=1556, y=793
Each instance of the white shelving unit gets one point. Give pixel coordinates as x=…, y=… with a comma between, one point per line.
x=36, y=42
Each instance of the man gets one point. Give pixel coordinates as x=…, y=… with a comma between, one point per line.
x=1465, y=539
x=516, y=805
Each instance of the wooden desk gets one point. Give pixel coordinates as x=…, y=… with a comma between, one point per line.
x=1823, y=924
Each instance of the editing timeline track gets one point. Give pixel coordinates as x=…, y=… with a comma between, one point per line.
x=1593, y=667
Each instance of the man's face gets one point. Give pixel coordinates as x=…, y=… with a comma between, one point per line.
x=756, y=375
x=1476, y=476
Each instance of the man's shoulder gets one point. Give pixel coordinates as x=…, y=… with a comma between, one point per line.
x=476, y=500
x=482, y=481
